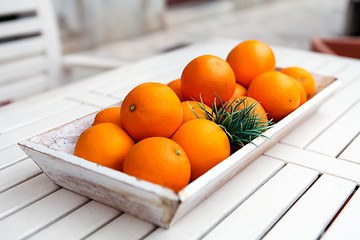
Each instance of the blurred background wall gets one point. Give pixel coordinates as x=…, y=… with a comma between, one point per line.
x=86, y=24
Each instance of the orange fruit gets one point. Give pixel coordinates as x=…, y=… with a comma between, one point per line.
x=105, y=144
x=205, y=144
x=207, y=76
x=304, y=77
x=247, y=102
x=151, y=110
x=111, y=114
x=250, y=59
x=189, y=107
x=175, y=86
x=240, y=91
x=276, y=92
x=303, y=97
x=159, y=160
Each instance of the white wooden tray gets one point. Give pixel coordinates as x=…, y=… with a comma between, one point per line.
x=52, y=151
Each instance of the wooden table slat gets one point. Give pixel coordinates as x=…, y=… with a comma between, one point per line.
x=313, y=62
x=333, y=67
x=352, y=152
x=165, y=78
x=166, y=75
x=336, y=137
x=346, y=225
x=23, y=194
x=35, y=114
x=317, y=161
x=11, y=155
x=253, y=218
x=29, y=130
x=27, y=106
x=95, y=99
x=17, y=173
x=286, y=58
x=309, y=217
x=93, y=215
x=124, y=227
x=40, y=214
x=351, y=73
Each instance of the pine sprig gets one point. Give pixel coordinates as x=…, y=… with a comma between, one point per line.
x=241, y=124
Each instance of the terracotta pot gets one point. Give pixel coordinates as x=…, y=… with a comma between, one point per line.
x=341, y=46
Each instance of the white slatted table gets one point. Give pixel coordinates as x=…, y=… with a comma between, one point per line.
x=305, y=187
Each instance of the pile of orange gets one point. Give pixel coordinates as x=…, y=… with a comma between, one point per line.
x=160, y=134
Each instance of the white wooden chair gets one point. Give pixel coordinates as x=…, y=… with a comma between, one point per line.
x=31, y=57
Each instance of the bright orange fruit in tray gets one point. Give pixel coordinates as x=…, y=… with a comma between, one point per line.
x=106, y=144
x=151, y=110
x=192, y=110
x=304, y=77
x=111, y=114
x=250, y=59
x=205, y=144
x=302, y=92
x=159, y=160
x=205, y=77
x=276, y=92
x=175, y=86
x=240, y=91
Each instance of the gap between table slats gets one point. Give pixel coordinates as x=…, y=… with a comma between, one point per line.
x=339, y=134
x=308, y=218
x=23, y=194
x=352, y=151
x=251, y=220
x=93, y=215
x=345, y=226
x=40, y=214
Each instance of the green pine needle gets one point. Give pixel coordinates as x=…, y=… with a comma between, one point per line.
x=240, y=125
